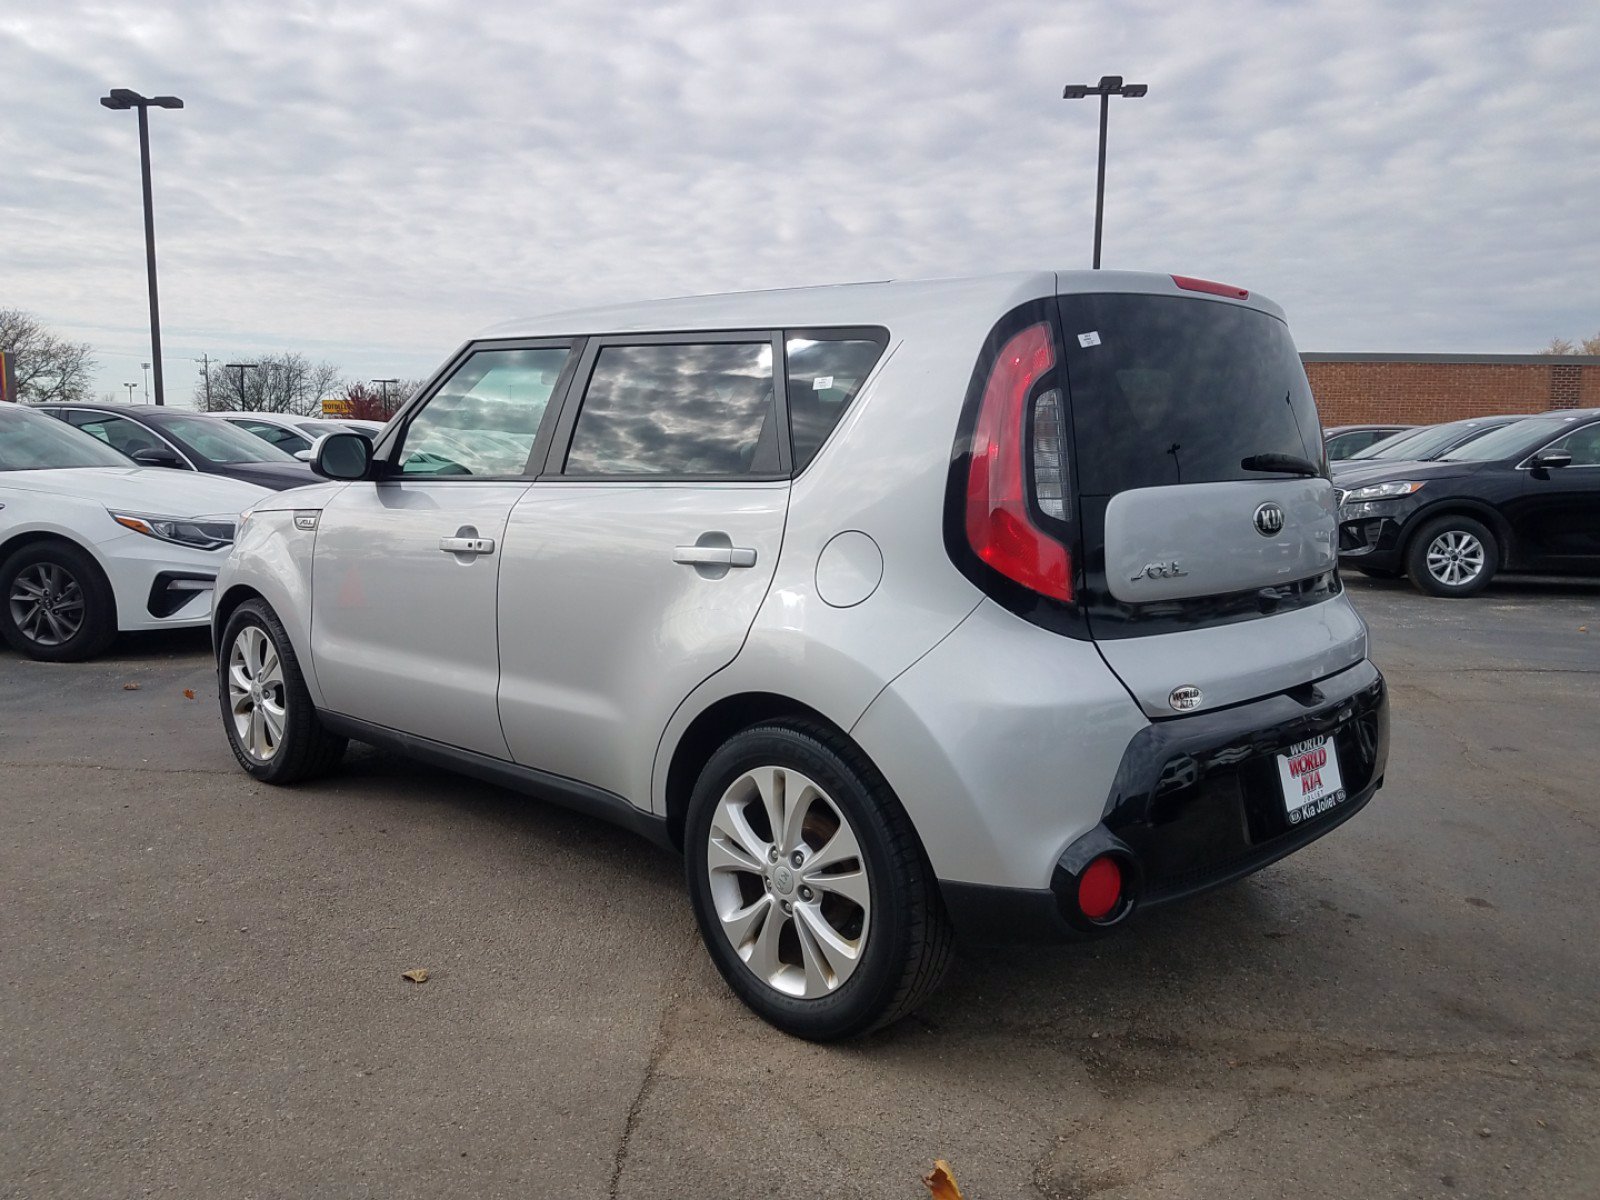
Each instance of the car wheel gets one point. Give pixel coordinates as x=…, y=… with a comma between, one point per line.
x=58, y=603
x=271, y=723
x=1452, y=556
x=809, y=885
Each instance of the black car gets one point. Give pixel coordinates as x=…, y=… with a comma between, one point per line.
x=156, y=436
x=1523, y=497
x=1344, y=440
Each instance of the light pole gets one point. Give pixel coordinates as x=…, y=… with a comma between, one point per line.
x=146, y=367
x=384, y=384
x=242, y=368
x=130, y=387
x=121, y=98
x=1109, y=86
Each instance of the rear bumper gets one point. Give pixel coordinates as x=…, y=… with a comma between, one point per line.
x=1196, y=803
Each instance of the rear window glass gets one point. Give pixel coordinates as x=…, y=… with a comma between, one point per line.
x=684, y=410
x=825, y=373
x=1168, y=390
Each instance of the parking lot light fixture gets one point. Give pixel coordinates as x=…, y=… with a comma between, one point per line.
x=242, y=368
x=1109, y=86
x=383, y=385
x=121, y=99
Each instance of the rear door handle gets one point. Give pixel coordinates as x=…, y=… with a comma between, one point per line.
x=467, y=545
x=715, y=556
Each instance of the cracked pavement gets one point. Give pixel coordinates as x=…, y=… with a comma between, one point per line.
x=201, y=993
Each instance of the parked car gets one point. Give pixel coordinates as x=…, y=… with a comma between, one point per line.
x=1344, y=440
x=1523, y=497
x=290, y=433
x=1422, y=444
x=156, y=436
x=845, y=593
x=90, y=545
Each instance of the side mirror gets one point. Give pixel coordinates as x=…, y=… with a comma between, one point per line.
x=343, y=456
x=157, y=456
x=1546, y=459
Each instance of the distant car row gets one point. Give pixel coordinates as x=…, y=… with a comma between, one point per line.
x=1452, y=505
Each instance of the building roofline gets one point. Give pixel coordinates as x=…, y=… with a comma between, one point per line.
x=1549, y=360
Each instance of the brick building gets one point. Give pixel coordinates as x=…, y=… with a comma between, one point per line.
x=1421, y=389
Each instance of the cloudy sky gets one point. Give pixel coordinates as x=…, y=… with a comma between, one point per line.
x=372, y=181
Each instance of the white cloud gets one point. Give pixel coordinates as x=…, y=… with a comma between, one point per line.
x=372, y=182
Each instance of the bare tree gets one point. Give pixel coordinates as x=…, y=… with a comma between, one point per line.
x=1561, y=345
x=1590, y=345
x=369, y=402
x=287, y=383
x=47, y=367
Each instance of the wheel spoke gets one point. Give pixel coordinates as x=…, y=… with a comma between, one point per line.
x=842, y=847
x=839, y=955
x=732, y=824
x=238, y=681
x=764, y=960
x=852, y=885
x=819, y=977
x=741, y=923
x=725, y=854
x=274, y=715
x=770, y=783
x=271, y=667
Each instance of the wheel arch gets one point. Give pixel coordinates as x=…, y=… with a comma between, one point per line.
x=1479, y=511
x=29, y=537
x=713, y=727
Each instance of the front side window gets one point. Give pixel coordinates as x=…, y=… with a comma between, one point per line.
x=484, y=419
x=825, y=373
x=119, y=433
x=1582, y=444
x=675, y=410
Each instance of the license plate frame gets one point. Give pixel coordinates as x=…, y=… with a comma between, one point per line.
x=1310, y=778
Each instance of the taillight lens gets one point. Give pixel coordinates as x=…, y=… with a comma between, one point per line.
x=1000, y=527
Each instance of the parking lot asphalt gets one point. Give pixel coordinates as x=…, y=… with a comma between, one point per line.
x=201, y=991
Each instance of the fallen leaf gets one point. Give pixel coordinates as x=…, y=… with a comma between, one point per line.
x=1583, y=629
x=941, y=1184
x=130, y=687
x=188, y=693
x=419, y=975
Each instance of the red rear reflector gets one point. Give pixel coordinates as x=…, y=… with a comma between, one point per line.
x=1100, y=888
x=1190, y=284
x=999, y=527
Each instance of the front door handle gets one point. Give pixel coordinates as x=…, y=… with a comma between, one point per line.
x=467, y=545
x=715, y=556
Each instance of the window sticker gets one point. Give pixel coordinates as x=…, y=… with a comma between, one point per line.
x=822, y=383
x=1092, y=338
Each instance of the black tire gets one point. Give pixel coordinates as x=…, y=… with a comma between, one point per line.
x=77, y=588
x=1464, y=531
x=1381, y=572
x=907, y=944
x=305, y=749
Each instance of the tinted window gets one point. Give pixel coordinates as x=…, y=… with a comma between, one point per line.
x=1392, y=442
x=30, y=442
x=1428, y=443
x=1582, y=444
x=678, y=410
x=1168, y=390
x=825, y=373
x=276, y=434
x=484, y=420
x=119, y=433
x=1509, y=441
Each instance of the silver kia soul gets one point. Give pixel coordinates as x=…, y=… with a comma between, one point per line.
x=1000, y=608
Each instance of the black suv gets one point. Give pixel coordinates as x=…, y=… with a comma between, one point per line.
x=1525, y=497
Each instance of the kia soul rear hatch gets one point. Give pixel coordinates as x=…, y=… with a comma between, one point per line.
x=1208, y=526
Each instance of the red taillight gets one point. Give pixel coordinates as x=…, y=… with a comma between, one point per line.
x=999, y=527
x=1100, y=888
x=1190, y=284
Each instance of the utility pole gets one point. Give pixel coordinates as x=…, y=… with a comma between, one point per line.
x=205, y=363
x=242, y=368
x=1109, y=86
x=122, y=98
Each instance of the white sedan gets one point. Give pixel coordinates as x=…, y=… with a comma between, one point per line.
x=90, y=546
x=296, y=434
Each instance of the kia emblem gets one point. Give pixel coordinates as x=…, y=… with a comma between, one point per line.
x=1269, y=520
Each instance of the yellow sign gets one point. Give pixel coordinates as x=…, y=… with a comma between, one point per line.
x=335, y=407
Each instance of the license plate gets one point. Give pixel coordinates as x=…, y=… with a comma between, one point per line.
x=1309, y=772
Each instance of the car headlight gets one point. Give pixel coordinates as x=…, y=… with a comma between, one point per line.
x=202, y=533
x=1380, y=491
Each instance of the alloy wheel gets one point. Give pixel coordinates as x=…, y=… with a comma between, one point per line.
x=1455, y=558
x=789, y=882
x=47, y=604
x=256, y=695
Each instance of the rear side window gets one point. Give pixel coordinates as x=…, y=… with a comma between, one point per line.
x=826, y=371
x=699, y=410
x=1169, y=390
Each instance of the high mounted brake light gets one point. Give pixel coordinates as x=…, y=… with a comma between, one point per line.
x=1000, y=527
x=1190, y=284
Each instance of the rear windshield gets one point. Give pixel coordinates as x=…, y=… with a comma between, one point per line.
x=1391, y=446
x=1169, y=390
